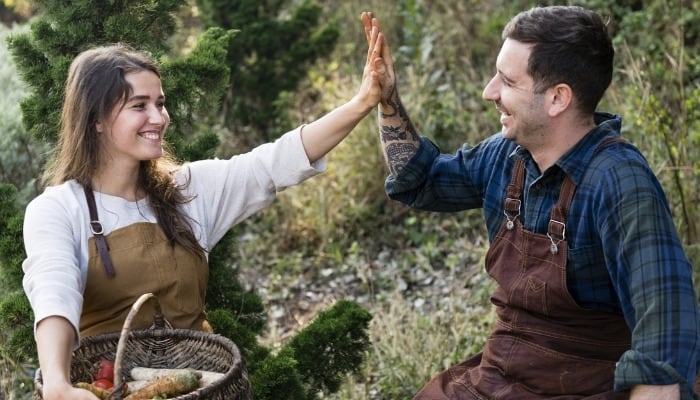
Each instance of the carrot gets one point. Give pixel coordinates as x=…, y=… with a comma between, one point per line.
x=99, y=392
x=143, y=373
x=175, y=383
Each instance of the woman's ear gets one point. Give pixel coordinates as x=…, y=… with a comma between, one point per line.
x=99, y=127
x=560, y=99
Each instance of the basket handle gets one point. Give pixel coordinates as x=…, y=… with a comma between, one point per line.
x=159, y=323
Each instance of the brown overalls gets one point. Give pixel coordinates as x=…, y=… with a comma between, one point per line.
x=543, y=345
x=144, y=262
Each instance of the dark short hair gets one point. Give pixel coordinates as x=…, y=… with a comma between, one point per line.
x=571, y=45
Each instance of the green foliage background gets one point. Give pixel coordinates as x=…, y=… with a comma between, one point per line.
x=342, y=221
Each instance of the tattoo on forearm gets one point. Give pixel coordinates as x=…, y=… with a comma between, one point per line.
x=393, y=102
x=391, y=133
x=400, y=142
x=414, y=134
x=397, y=156
x=407, y=122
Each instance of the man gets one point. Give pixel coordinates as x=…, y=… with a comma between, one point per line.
x=595, y=297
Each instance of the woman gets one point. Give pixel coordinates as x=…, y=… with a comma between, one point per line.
x=120, y=218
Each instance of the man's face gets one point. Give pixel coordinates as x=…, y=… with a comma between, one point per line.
x=523, y=116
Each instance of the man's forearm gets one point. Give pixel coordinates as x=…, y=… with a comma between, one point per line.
x=399, y=139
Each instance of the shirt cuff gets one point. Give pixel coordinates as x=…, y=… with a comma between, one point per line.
x=414, y=172
x=321, y=164
x=635, y=368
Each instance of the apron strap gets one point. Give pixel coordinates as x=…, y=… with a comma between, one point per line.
x=98, y=232
x=515, y=189
x=556, y=230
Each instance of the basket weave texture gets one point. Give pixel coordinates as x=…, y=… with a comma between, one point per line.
x=164, y=347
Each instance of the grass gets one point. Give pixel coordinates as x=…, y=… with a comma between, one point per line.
x=410, y=345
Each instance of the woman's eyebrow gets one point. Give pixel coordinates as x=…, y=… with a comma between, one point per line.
x=144, y=97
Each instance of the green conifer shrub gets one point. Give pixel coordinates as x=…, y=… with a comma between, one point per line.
x=268, y=58
x=20, y=154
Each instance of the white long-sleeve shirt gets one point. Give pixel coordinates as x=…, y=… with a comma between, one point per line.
x=224, y=192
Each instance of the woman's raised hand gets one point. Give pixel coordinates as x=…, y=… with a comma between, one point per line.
x=379, y=59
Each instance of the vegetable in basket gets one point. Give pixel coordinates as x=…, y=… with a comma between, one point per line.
x=101, y=393
x=103, y=369
x=174, y=383
x=147, y=374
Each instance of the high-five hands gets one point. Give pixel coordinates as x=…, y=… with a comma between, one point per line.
x=381, y=62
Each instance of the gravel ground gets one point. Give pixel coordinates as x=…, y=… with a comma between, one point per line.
x=292, y=301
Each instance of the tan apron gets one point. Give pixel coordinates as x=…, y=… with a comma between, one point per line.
x=543, y=344
x=143, y=262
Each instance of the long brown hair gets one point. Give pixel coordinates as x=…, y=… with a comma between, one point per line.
x=95, y=85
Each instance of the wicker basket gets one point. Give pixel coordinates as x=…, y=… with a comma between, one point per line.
x=162, y=347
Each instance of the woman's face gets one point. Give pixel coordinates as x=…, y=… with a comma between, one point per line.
x=134, y=130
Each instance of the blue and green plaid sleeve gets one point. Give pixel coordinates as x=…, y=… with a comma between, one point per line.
x=652, y=278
